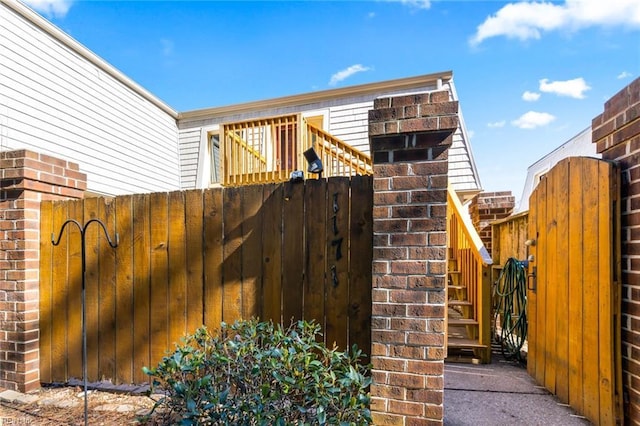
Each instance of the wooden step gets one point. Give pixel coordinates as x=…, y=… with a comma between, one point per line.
x=457, y=287
x=457, y=343
x=461, y=321
x=454, y=272
x=454, y=302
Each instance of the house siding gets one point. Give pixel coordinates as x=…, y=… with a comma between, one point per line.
x=54, y=101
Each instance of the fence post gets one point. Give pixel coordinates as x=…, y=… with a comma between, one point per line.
x=409, y=137
x=26, y=179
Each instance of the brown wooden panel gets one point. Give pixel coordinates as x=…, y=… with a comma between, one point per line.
x=561, y=181
x=124, y=290
x=46, y=290
x=542, y=350
x=360, y=258
x=92, y=279
x=293, y=254
x=106, y=292
x=194, y=261
x=551, y=259
x=575, y=304
x=141, y=287
x=232, y=251
x=315, y=201
x=177, y=253
x=158, y=225
x=213, y=257
x=337, y=282
x=59, y=303
x=590, y=314
x=251, y=248
x=532, y=283
x=75, y=211
x=272, y=235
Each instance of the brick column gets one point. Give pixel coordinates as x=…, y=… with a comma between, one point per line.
x=617, y=134
x=410, y=137
x=488, y=207
x=26, y=178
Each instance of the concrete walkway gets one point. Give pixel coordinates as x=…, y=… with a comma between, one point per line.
x=500, y=393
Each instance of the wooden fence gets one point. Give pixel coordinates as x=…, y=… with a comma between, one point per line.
x=277, y=252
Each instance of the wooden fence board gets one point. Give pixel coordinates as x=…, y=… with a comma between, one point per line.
x=360, y=259
x=562, y=292
x=106, y=292
x=195, y=257
x=232, y=263
x=551, y=258
x=46, y=289
x=141, y=286
x=159, y=285
x=251, y=250
x=177, y=273
x=293, y=251
x=124, y=336
x=272, y=253
x=74, y=315
x=315, y=201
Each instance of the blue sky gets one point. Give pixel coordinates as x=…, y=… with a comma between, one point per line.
x=529, y=75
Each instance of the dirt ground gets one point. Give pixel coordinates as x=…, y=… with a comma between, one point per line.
x=65, y=406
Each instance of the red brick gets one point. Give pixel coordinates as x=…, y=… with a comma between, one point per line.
x=426, y=368
x=388, y=364
x=406, y=407
x=388, y=309
x=410, y=239
x=383, y=391
x=425, y=311
x=411, y=267
x=407, y=296
x=409, y=381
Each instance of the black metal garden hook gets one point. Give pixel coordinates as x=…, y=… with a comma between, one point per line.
x=56, y=242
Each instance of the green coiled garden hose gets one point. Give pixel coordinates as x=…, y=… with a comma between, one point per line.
x=510, y=307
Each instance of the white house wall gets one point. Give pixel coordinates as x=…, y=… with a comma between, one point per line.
x=54, y=101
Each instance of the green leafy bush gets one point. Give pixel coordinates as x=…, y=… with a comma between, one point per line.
x=255, y=373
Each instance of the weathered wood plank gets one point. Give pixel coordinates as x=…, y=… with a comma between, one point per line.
x=141, y=287
x=106, y=292
x=124, y=290
x=272, y=234
x=337, y=283
x=252, y=225
x=542, y=351
x=293, y=254
x=60, y=292
x=92, y=277
x=232, y=250
x=74, y=315
x=360, y=258
x=46, y=290
x=213, y=257
x=194, y=261
x=315, y=201
x=575, y=255
x=177, y=252
x=532, y=284
x=551, y=260
x=158, y=225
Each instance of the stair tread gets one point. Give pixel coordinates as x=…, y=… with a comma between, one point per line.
x=454, y=272
x=462, y=321
x=464, y=343
x=459, y=302
x=457, y=287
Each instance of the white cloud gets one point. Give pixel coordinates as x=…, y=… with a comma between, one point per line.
x=496, y=124
x=50, y=8
x=533, y=119
x=371, y=15
x=572, y=88
x=167, y=46
x=417, y=4
x=530, y=96
x=346, y=73
x=623, y=75
x=528, y=20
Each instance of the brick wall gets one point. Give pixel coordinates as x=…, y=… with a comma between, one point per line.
x=409, y=137
x=488, y=207
x=616, y=133
x=26, y=178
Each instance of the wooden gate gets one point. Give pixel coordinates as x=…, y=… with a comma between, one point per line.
x=276, y=251
x=574, y=287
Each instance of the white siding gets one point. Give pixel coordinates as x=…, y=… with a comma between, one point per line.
x=350, y=123
x=189, y=148
x=54, y=101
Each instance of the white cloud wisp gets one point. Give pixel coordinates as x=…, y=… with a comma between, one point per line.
x=51, y=8
x=571, y=88
x=346, y=73
x=528, y=20
x=532, y=119
x=496, y=124
x=530, y=96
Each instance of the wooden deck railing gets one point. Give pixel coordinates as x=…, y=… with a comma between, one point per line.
x=473, y=262
x=268, y=150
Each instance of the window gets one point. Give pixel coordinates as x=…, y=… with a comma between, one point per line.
x=214, y=156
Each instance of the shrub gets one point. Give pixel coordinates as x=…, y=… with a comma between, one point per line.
x=255, y=373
